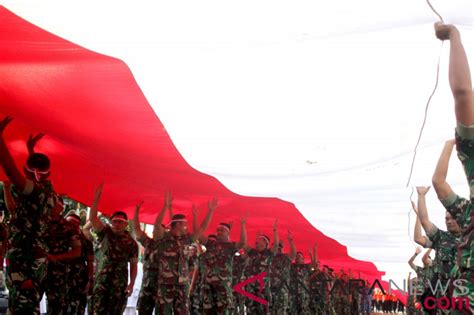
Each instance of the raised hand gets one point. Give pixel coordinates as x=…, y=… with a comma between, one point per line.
x=275, y=225
x=137, y=208
x=243, y=220
x=195, y=210
x=31, y=142
x=98, y=193
x=168, y=200
x=444, y=31
x=290, y=236
x=422, y=190
x=418, y=250
x=4, y=123
x=212, y=204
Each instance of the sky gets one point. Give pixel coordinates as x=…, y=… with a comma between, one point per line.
x=317, y=103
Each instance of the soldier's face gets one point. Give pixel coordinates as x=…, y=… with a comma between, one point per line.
x=222, y=234
x=451, y=223
x=260, y=244
x=299, y=258
x=119, y=224
x=182, y=227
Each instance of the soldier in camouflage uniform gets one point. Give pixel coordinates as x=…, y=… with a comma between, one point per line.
x=319, y=282
x=217, y=263
x=238, y=266
x=148, y=292
x=195, y=298
x=299, y=285
x=118, y=249
x=444, y=243
x=64, y=245
x=279, y=276
x=81, y=271
x=32, y=201
x=460, y=208
x=424, y=276
x=259, y=261
x=173, y=278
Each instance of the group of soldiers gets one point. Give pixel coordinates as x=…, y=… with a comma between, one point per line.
x=194, y=273
x=445, y=284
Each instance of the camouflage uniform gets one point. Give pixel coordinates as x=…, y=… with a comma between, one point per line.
x=445, y=244
x=258, y=263
x=424, y=276
x=238, y=267
x=3, y=238
x=60, y=238
x=195, y=299
x=299, y=288
x=339, y=294
x=173, y=278
x=78, y=278
x=319, y=293
x=279, y=277
x=216, y=289
x=109, y=296
x=461, y=210
x=27, y=250
x=147, y=299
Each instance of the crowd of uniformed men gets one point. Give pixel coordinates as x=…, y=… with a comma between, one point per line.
x=445, y=284
x=195, y=273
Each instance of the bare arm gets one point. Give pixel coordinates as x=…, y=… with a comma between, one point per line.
x=243, y=231
x=418, y=236
x=459, y=73
x=276, y=238
x=93, y=218
x=158, y=229
x=426, y=256
x=422, y=210
x=412, y=258
x=442, y=188
x=136, y=224
x=133, y=276
x=211, y=205
x=86, y=229
x=7, y=162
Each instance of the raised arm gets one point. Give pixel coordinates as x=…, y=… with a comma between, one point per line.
x=442, y=188
x=412, y=258
x=315, y=256
x=459, y=73
x=292, y=254
x=136, y=224
x=158, y=230
x=86, y=229
x=243, y=231
x=31, y=142
x=426, y=256
x=419, y=238
x=276, y=238
x=422, y=210
x=93, y=218
x=8, y=197
x=7, y=162
x=211, y=206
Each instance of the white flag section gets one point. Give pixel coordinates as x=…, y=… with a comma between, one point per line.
x=316, y=102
